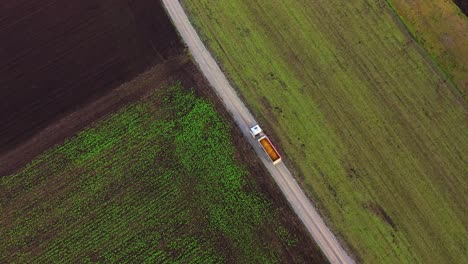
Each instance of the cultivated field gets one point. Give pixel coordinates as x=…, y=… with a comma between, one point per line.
x=376, y=133
x=58, y=55
x=160, y=181
x=155, y=78
x=463, y=5
x=442, y=29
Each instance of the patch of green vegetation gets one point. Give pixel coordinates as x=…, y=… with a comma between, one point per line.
x=441, y=28
x=156, y=182
x=376, y=132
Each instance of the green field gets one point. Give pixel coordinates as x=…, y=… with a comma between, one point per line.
x=441, y=28
x=374, y=131
x=156, y=182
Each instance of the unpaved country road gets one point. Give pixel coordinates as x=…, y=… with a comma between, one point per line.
x=244, y=119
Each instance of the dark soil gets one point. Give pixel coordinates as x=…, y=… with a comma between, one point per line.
x=68, y=125
x=463, y=5
x=377, y=210
x=57, y=55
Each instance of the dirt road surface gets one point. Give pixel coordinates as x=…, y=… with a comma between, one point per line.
x=244, y=119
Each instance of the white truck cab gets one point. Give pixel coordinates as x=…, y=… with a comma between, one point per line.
x=255, y=130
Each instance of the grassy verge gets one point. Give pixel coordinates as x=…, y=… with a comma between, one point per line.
x=373, y=128
x=441, y=28
x=157, y=182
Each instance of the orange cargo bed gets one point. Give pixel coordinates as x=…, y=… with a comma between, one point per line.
x=270, y=149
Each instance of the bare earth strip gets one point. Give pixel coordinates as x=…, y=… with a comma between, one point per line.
x=244, y=119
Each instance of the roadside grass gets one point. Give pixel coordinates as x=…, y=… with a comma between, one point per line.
x=442, y=29
x=156, y=182
x=375, y=132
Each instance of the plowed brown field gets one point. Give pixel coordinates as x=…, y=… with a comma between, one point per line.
x=463, y=5
x=57, y=55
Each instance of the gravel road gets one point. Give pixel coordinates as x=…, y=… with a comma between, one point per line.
x=244, y=119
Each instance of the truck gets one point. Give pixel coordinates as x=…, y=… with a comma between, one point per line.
x=257, y=133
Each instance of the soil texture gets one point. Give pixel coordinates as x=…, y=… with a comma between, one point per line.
x=57, y=55
x=463, y=5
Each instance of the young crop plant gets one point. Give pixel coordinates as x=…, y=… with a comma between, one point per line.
x=156, y=182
